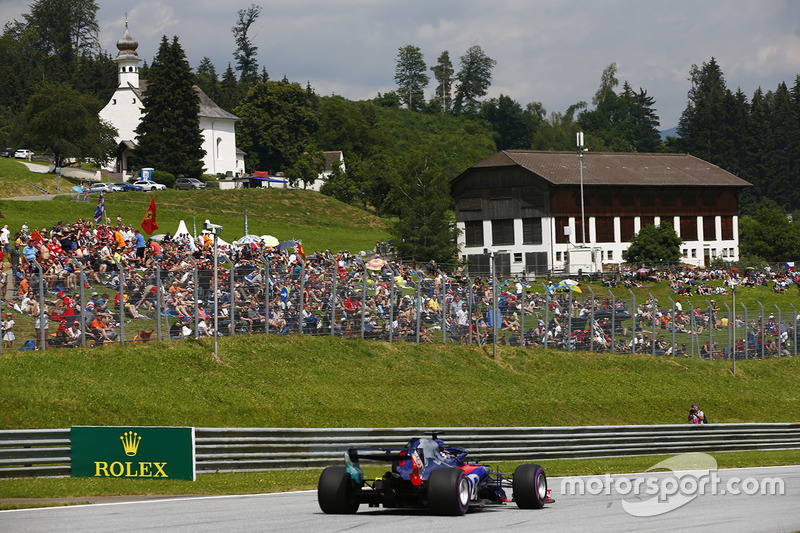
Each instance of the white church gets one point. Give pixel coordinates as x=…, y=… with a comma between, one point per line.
x=124, y=112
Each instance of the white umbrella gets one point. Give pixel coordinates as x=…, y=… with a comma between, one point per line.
x=248, y=239
x=269, y=240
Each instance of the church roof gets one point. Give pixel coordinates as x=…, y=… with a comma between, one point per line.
x=208, y=108
x=127, y=46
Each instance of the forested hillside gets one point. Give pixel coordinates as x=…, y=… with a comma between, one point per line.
x=436, y=123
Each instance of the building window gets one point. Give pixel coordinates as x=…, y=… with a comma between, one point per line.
x=709, y=228
x=713, y=253
x=610, y=255
x=473, y=232
x=685, y=252
x=626, y=199
x=689, y=228
x=113, y=101
x=134, y=100
x=694, y=253
x=667, y=198
x=604, y=229
x=724, y=252
x=558, y=256
x=727, y=228
x=531, y=231
x=470, y=204
x=626, y=228
x=518, y=257
x=503, y=231
x=562, y=223
x=219, y=147
x=504, y=193
x=730, y=253
x=648, y=199
x=689, y=198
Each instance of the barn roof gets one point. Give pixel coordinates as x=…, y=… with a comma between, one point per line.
x=613, y=168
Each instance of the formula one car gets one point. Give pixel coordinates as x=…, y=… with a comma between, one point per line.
x=427, y=474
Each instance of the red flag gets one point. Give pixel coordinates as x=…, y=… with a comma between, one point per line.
x=300, y=251
x=149, y=221
x=36, y=237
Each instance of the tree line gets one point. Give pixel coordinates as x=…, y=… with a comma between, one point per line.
x=401, y=147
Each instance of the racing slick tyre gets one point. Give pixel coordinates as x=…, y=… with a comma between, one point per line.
x=530, y=486
x=448, y=492
x=336, y=492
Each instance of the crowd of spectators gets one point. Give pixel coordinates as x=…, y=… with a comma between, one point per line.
x=328, y=293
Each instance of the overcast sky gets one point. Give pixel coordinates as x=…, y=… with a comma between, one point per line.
x=551, y=51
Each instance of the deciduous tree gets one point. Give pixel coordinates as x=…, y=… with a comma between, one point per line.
x=654, y=244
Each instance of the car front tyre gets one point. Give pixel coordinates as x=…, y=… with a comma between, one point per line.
x=530, y=486
x=448, y=492
x=336, y=491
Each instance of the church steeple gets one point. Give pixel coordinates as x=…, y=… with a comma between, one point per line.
x=127, y=59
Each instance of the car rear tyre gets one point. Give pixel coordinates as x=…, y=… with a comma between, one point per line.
x=448, y=492
x=336, y=491
x=530, y=486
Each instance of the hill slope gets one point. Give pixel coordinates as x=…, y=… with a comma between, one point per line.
x=294, y=381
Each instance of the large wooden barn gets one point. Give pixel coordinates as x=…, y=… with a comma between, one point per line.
x=527, y=206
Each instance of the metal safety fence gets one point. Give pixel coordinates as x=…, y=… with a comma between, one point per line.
x=25, y=453
x=174, y=297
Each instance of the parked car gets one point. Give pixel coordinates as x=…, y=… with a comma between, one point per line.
x=101, y=187
x=23, y=153
x=125, y=187
x=147, y=185
x=7, y=152
x=189, y=183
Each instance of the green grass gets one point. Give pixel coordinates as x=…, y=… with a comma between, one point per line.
x=318, y=221
x=294, y=381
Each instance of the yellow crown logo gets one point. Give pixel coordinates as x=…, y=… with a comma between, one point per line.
x=130, y=442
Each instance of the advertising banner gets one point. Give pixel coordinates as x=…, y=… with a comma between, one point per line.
x=133, y=452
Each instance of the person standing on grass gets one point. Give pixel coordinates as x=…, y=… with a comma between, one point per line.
x=8, y=331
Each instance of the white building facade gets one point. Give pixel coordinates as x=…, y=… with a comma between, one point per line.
x=528, y=207
x=125, y=109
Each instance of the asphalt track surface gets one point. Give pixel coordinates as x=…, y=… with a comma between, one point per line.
x=298, y=511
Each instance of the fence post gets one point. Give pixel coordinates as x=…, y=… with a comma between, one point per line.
x=672, y=320
x=232, y=289
x=613, y=321
x=569, y=310
x=691, y=326
x=546, y=314
x=711, y=323
x=420, y=278
x=634, y=314
x=334, y=296
x=82, y=284
x=363, y=295
x=763, y=335
x=471, y=310
x=443, y=304
x=158, y=300
x=794, y=329
x=728, y=339
x=780, y=345
x=42, y=309
x=300, y=317
x=746, y=333
x=591, y=322
x=121, y=301
x=653, y=309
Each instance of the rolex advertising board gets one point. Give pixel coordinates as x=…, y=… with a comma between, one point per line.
x=133, y=452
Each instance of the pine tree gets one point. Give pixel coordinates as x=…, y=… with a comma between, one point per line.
x=443, y=72
x=474, y=79
x=207, y=79
x=698, y=127
x=169, y=136
x=409, y=74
